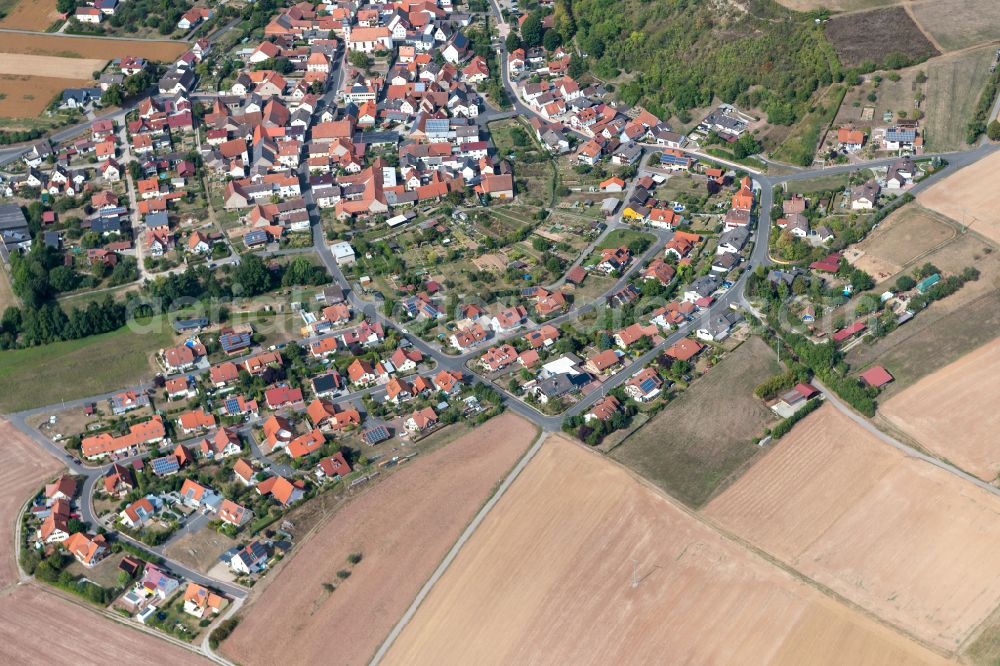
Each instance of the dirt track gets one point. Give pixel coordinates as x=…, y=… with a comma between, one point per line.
x=909, y=542
x=547, y=580
x=403, y=527
x=952, y=412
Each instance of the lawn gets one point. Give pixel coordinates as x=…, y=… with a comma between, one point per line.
x=620, y=237
x=78, y=368
x=818, y=184
x=702, y=441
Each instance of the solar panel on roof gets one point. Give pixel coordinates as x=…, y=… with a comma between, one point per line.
x=165, y=465
x=376, y=435
x=647, y=385
x=232, y=405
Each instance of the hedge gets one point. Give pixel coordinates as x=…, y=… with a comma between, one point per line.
x=780, y=430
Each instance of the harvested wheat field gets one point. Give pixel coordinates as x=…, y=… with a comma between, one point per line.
x=906, y=236
x=962, y=197
x=90, y=47
x=50, y=66
x=31, y=15
x=27, y=96
x=908, y=541
x=546, y=579
x=72, y=635
x=952, y=412
x=24, y=469
x=403, y=527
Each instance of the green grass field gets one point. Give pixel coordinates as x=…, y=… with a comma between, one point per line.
x=818, y=184
x=620, y=237
x=701, y=441
x=77, y=368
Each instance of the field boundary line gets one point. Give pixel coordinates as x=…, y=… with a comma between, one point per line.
x=775, y=561
x=456, y=548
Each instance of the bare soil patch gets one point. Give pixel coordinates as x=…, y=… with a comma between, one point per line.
x=963, y=197
x=403, y=527
x=907, y=541
x=952, y=411
x=876, y=34
x=554, y=585
x=31, y=15
x=959, y=24
x=88, y=47
x=702, y=438
x=200, y=549
x=72, y=635
x=25, y=96
x=51, y=66
x=903, y=238
x=25, y=468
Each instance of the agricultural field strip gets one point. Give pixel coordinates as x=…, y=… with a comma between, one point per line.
x=48, y=66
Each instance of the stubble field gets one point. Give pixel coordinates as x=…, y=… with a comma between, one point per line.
x=50, y=66
x=907, y=541
x=952, y=412
x=402, y=527
x=26, y=96
x=89, y=47
x=547, y=579
x=959, y=24
x=30, y=15
x=964, y=197
x=24, y=470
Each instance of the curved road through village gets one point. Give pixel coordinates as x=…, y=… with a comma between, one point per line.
x=734, y=297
